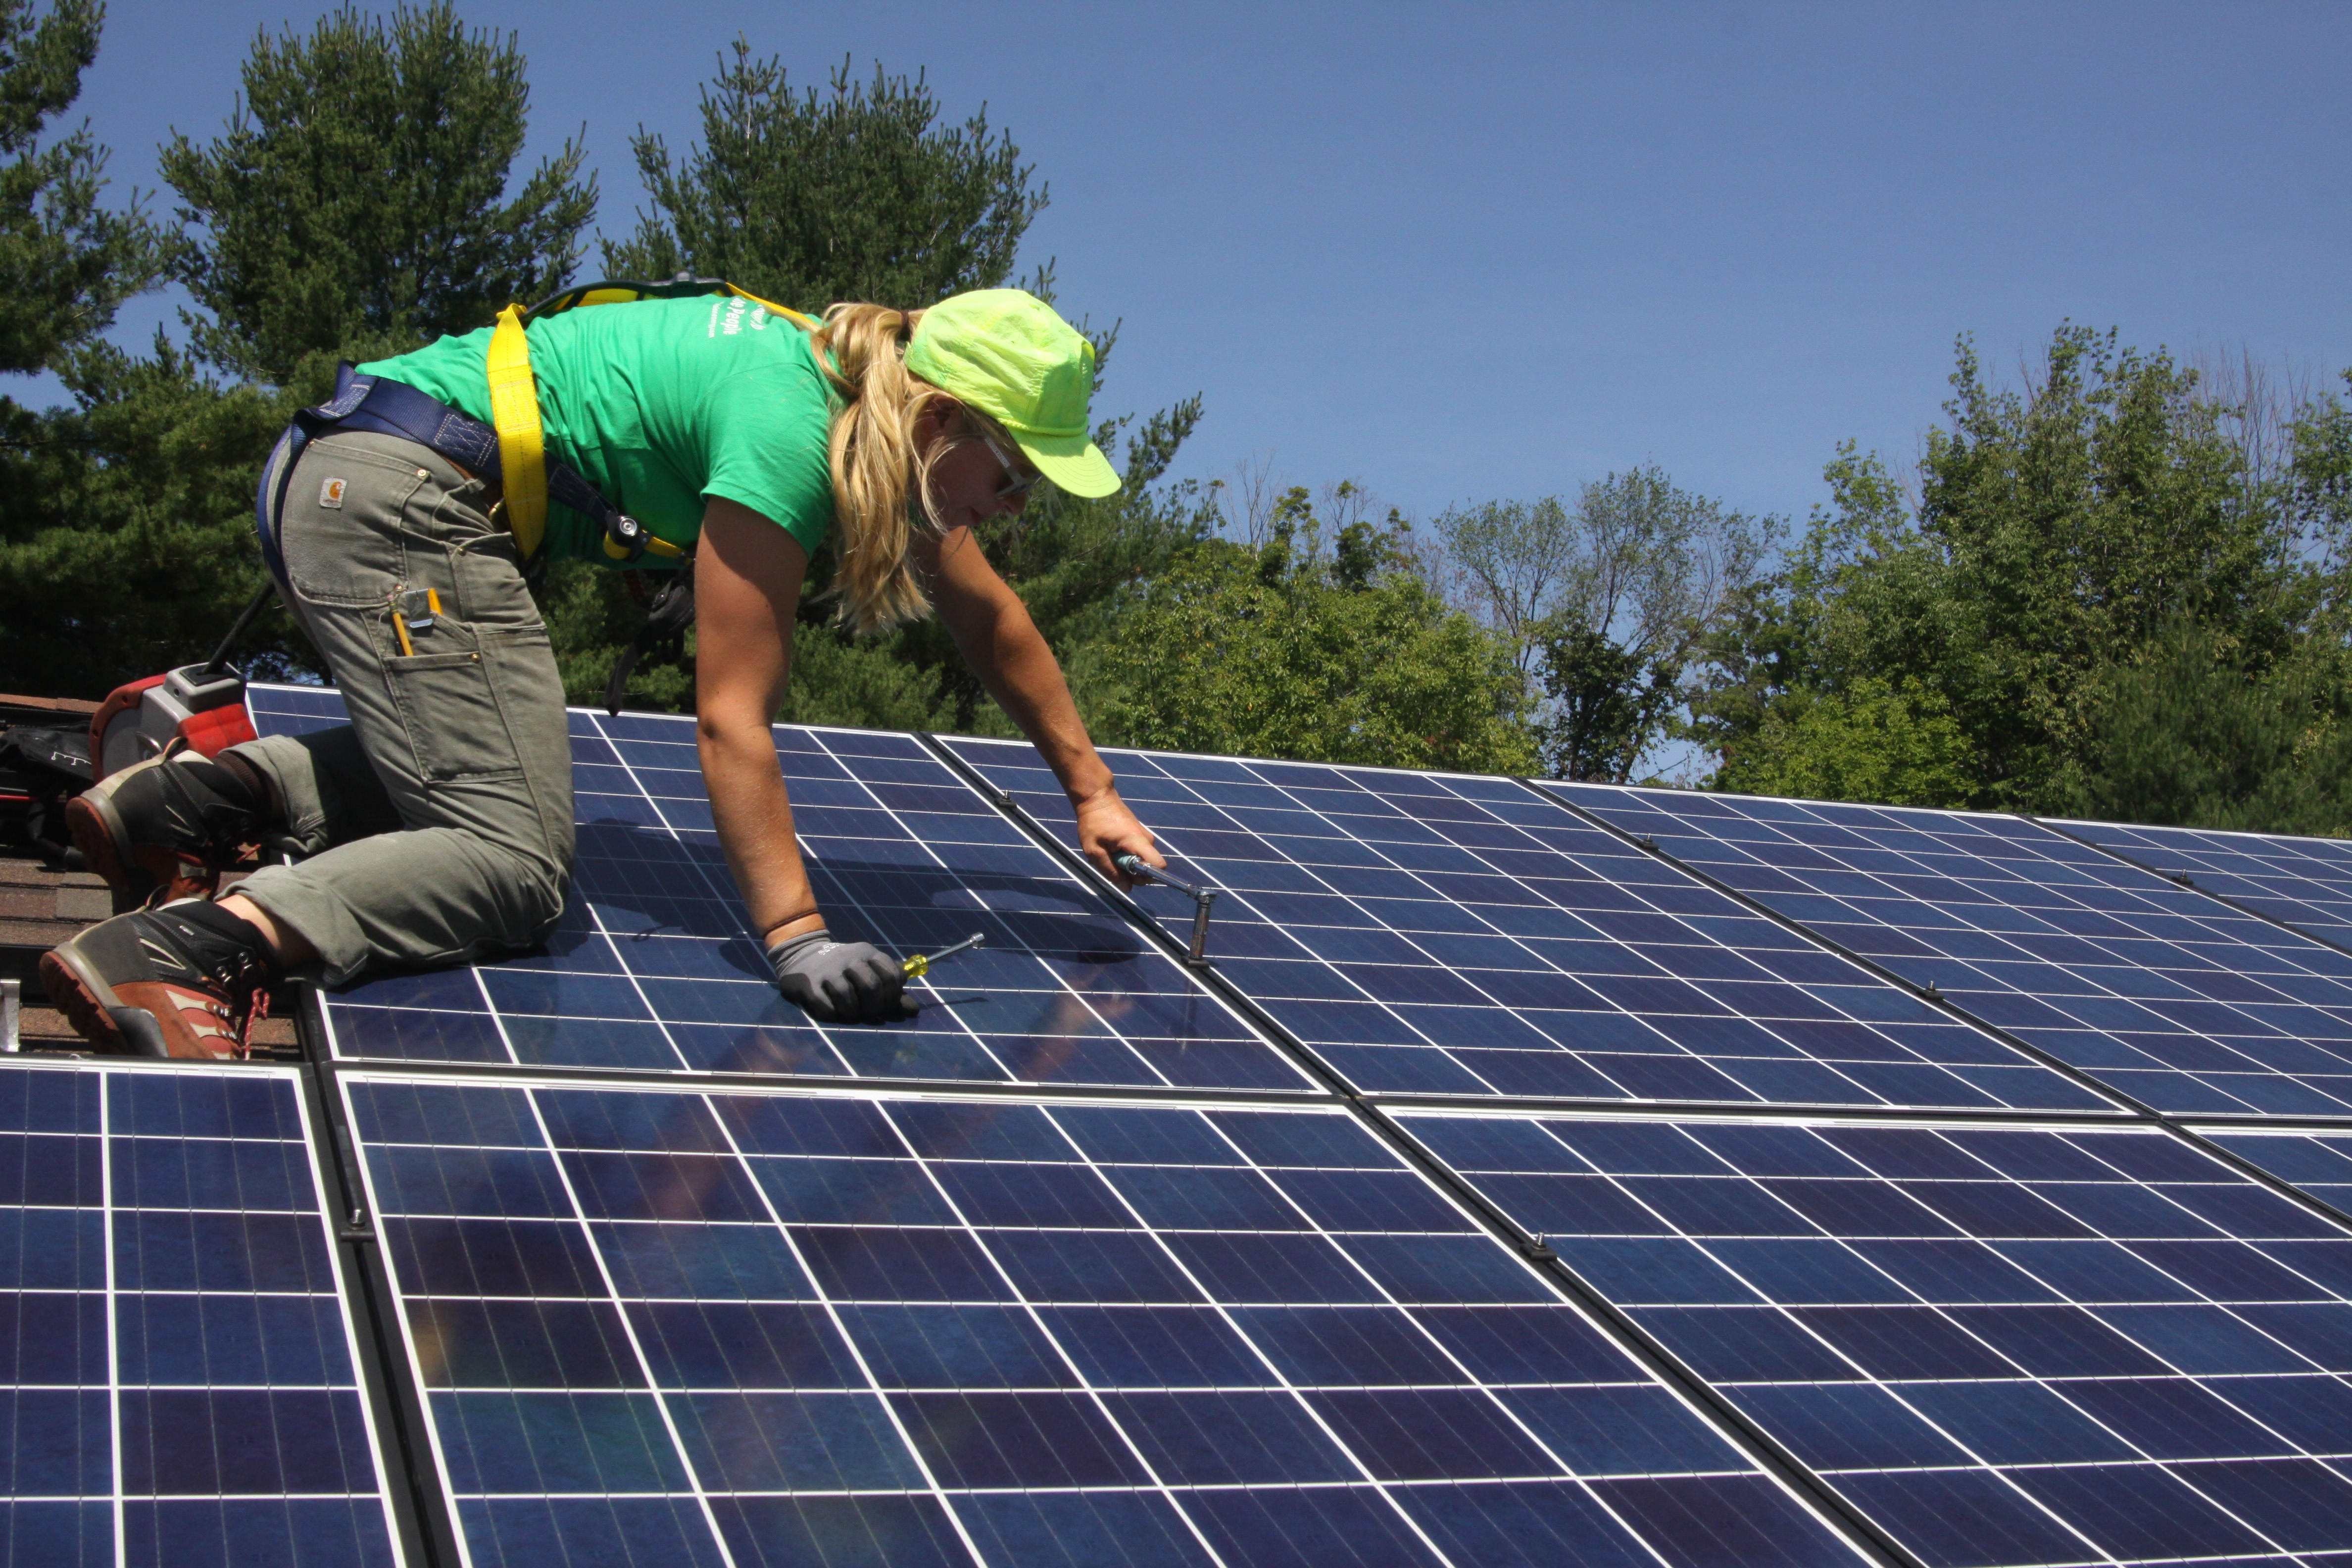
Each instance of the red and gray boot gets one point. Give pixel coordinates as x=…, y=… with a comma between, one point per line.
x=167, y=827
x=185, y=980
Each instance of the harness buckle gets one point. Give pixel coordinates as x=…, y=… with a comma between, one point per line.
x=630, y=532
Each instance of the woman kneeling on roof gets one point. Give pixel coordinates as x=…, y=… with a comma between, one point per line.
x=438, y=825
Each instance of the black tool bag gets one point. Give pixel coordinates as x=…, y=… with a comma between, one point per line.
x=48, y=768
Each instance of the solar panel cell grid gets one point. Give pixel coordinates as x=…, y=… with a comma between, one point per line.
x=1439, y=933
x=2185, y=1004
x=860, y=1329
x=178, y=1365
x=848, y=1325
x=2307, y=882
x=2318, y=1162
x=2005, y=1345
x=652, y=968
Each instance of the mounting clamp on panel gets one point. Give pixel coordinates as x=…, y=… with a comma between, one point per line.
x=1203, y=898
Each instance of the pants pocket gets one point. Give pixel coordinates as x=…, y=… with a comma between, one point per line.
x=340, y=533
x=450, y=706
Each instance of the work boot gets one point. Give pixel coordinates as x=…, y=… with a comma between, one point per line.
x=166, y=828
x=185, y=980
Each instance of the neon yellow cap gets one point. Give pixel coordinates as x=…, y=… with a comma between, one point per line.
x=1007, y=353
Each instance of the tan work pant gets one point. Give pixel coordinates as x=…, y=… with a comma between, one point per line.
x=438, y=825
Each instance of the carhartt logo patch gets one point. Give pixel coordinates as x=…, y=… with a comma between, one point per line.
x=330, y=493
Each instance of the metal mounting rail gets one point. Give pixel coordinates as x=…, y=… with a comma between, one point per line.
x=2141, y=1111
x=1770, y=1455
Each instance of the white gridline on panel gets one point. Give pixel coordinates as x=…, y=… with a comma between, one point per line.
x=1269, y=777
x=880, y=1391
x=2230, y=947
x=2307, y=882
x=109, y=1137
x=1808, y=1229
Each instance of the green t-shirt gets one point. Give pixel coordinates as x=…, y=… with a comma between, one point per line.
x=662, y=404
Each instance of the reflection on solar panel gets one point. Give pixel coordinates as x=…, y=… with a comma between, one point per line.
x=2320, y=1163
x=812, y=1327
x=2005, y=1345
x=652, y=967
x=1442, y=933
x=1186, y=1306
x=2307, y=882
x=179, y=1367
x=2180, y=1001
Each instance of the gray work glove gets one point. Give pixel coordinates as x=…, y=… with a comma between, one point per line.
x=841, y=981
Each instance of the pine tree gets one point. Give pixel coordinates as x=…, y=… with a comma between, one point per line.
x=354, y=205
x=65, y=263
x=357, y=201
x=859, y=193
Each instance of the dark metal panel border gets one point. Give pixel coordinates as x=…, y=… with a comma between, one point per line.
x=1861, y=1531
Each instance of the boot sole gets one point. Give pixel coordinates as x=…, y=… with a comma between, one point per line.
x=96, y=1013
x=92, y=830
x=98, y=830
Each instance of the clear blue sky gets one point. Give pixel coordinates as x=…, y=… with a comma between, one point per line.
x=1462, y=252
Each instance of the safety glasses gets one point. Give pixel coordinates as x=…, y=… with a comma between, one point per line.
x=1013, y=488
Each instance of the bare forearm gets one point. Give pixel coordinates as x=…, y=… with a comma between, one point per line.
x=1001, y=643
x=1014, y=662
x=754, y=817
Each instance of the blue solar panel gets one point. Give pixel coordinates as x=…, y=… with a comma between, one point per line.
x=2158, y=991
x=653, y=969
x=2319, y=1163
x=2307, y=882
x=1445, y=933
x=176, y=1355
x=815, y=1320
x=837, y=1327
x=2003, y=1344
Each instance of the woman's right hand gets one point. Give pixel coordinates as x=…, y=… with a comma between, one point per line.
x=1108, y=830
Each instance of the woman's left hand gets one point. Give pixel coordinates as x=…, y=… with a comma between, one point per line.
x=1107, y=829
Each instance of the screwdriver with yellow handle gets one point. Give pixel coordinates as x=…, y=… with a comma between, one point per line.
x=920, y=964
x=404, y=605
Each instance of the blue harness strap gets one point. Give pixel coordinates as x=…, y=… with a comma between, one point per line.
x=390, y=408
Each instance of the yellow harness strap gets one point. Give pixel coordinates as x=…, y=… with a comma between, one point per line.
x=807, y=323
x=522, y=452
x=514, y=411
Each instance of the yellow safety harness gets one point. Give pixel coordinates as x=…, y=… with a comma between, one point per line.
x=514, y=404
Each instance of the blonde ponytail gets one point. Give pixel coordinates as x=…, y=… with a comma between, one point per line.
x=861, y=349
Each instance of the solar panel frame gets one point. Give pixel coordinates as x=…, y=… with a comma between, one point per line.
x=2080, y=1492
x=1667, y=1020
x=653, y=968
x=2296, y=880
x=229, y=1349
x=2315, y=1161
x=1979, y=905
x=1158, y=1162
x=1886, y=1412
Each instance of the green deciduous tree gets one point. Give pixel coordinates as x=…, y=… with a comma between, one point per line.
x=1894, y=743
x=357, y=202
x=2061, y=529
x=1318, y=647
x=1605, y=604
